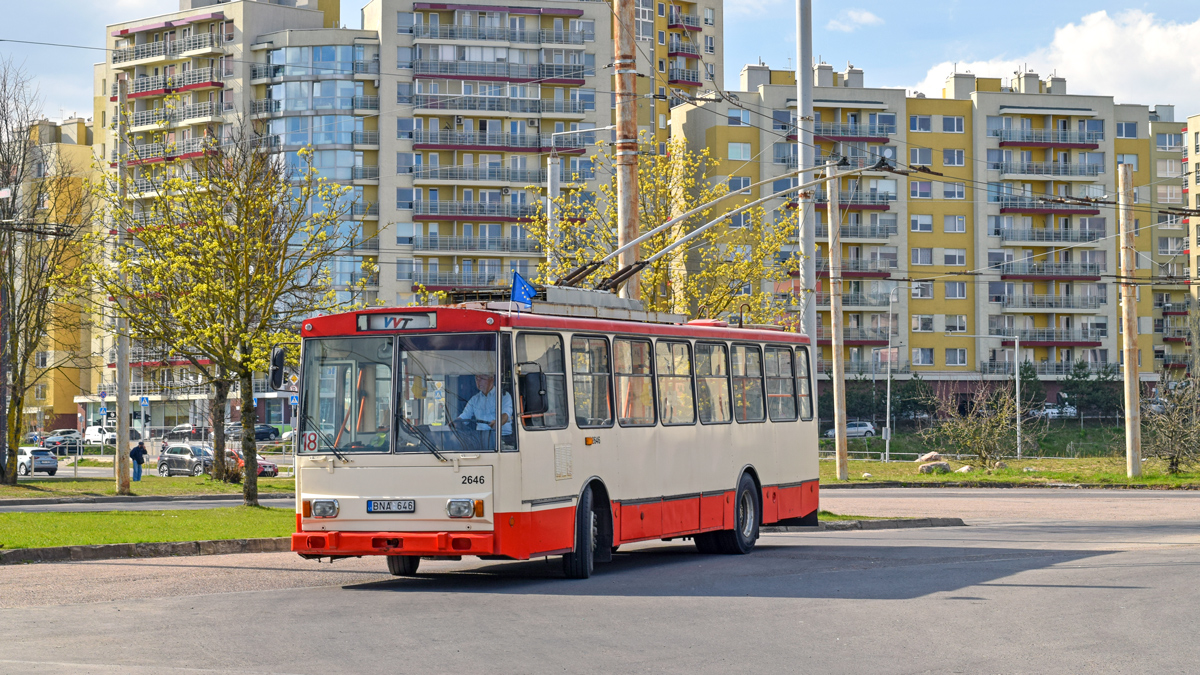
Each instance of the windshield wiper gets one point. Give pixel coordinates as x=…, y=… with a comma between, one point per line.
x=328, y=440
x=408, y=426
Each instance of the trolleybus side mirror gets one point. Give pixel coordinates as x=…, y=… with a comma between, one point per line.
x=533, y=393
x=277, y=369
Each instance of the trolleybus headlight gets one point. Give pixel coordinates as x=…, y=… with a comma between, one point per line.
x=324, y=508
x=460, y=508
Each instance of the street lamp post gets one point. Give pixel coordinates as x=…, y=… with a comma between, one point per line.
x=1016, y=374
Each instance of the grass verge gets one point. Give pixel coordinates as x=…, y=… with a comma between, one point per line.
x=149, y=485
x=826, y=515
x=1105, y=470
x=37, y=530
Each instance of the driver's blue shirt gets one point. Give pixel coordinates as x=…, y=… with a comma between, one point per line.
x=482, y=407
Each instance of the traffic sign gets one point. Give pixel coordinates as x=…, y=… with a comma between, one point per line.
x=255, y=401
x=294, y=378
x=103, y=395
x=145, y=401
x=103, y=410
x=295, y=400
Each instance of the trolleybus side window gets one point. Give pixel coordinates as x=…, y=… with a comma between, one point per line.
x=803, y=384
x=591, y=376
x=448, y=398
x=508, y=441
x=746, y=367
x=675, y=401
x=712, y=383
x=347, y=395
x=781, y=385
x=634, y=368
x=539, y=351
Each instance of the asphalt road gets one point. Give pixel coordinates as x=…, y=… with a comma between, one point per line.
x=1064, y=593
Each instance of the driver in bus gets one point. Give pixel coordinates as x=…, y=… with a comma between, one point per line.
x=482, y=407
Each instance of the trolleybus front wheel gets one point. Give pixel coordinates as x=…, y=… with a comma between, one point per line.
x=403, y=565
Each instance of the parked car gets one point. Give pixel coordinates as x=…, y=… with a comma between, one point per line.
x=188, y=432
x=35, y=438
x=1157, y=406
x=33, y=459
x=262, y=432
x=854, y=430
x=190, y=460
x=64, y=441
x=265, y=468
x=288, y=435
x=1053, y=411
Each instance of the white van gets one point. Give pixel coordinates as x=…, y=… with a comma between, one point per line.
x=99, y=436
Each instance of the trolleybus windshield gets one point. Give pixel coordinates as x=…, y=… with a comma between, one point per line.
x=346, y=395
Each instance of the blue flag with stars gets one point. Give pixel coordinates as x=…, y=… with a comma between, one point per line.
x=522, y=291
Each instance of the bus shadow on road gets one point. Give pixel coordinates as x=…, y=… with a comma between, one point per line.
x=811, y=571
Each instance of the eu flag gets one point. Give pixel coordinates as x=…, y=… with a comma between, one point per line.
x=522, y=291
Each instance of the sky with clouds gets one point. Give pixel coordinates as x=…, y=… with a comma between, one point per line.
x=1138, y=52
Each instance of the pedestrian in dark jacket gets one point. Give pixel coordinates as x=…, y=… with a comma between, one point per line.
x=138, y=455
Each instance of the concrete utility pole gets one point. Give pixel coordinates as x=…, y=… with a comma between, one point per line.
x=835, y=311
x=1133, y=404
x=806, y=158
x=554, y=234
x=625, y=67
x=121, y=461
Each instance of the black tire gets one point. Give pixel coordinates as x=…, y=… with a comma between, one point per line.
x=198, y=469
x=706, y=542
x=403, y=565
x=22, y=470
x=868, y=434
x=51, y=473
x=164, y=471
x=747, y=513
x=579, y=563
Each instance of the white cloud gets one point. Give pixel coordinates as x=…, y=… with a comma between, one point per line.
x=1131, y=56
x=851, y=20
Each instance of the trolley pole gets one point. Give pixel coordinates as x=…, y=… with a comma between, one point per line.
x=121, y=461
x=835, y=311
x=1133, y=404
x=625, y=67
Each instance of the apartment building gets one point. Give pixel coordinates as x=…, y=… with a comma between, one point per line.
x=1001, y=222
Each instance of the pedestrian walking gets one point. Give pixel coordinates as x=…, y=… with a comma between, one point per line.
x=138, y=455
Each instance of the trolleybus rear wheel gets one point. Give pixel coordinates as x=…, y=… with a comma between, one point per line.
x=403, y=565
x=740, y=540
x=580, y=563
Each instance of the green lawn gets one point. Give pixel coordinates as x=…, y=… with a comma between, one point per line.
x=826, y=515
x=37, y=530
x=1056, y=438
x=149, y=485
x=1108, y=470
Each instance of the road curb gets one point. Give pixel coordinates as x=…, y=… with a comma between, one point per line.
x=131, y=499
x=145, y=550
x=890, y=524
x=987, y=484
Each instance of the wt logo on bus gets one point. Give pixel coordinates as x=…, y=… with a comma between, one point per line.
x=412, y=321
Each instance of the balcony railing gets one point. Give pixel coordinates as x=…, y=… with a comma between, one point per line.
x=683, y=75
x=1050, y=302
x=1051, y=269
x=858, y=265
x=260, y=71
x=499, y=104
x=149, y=388
x=863, y=130
x=366, y=67
x=1049, y=136
x=471, y=139
x=790, y=161
x=497, y=244
x=683, y=19
x=681, y=47
x=366, y=103
x=824, y=333
x=449, y=208
x=141, y=85
x=369, y=244
x=265, y=105
x=1174, y=360
x=870, y=367
x=860, y=231
x=148, y=151
x=996, y=367
x=1050, y=334
x=846, y=197
x=497, y=174
x=855, y=300
x=1176, y=333
x=365, y=209
x=365, y=173
x=167, y=47
x=366, y=138
x=520, y=71
x=1022, y=202
x=1050, y=235
x=502, y=34
x=458, y=278
x=1049, y=168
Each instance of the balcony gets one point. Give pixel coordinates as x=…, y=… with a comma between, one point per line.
x=683, y=76
x=262, y=106
x=996, y=367
x=859, y=231
x=1032, y=337
x=1173, y=361
x=366, y=103
x=167, y=48
x=1045, y=138
x=366, y=138
x=448, y=210
x=530, y=106
x=832, y=131
x=365, y=210
x=500, y=34
x=1046, y=235
x=149, y=152
x=364, y=173
x=866, y=201
x=790, y=161
x=1176, y=334
x=1181, y=308
x=858, y=267
x=474, y=69
x=1050, y=270
x=477, y=244
x=855, y=300
x=369, y=245
x=266, y=71
x=1055, y=169
x=677, y=19
x=149, y=388
x=681, y=48
x=366, y=67
x=458, y=279
x=854, y=336
x=1173, y=273
x=497, y=174
x=1054, y=303
x=870, y=367
x=1023, y=204
x=478, y=140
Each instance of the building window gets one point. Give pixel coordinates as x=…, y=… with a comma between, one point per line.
x=39, y=392
x=952, y=125
x=1126, y=129
x=739, y=151
x=404, y=22
x=956, y=323
x=1170, y=194
x=404, y=270
x=710, y=71
x=739, y=184
x=710, y=44
x=922, y=256
x=922, y=323
x=739, y=118
x=921, y=223
x=404, y=92
x=922, y=290
x=662, y=121
x=710, y=16
x=662, y=9
x=952, y=157
x=920, y=123
x=404, y=57
x=662, y=65
x=782, y=120
x=1131, y=160
x=662, y=37
x=1172, y=141
x=1166, y=168
x=922, y=356
x=920, y=189
x=644, y=20
x=404, y=198
x=956, y=357
x=954, y=224
x=41, y=360
x=956, y=290
x=404, y=234
x=954, y=191
x=920, y=156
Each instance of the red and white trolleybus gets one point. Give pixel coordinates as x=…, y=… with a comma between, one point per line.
x=463, y=430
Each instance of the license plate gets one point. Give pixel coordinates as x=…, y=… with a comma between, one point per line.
x=391, y=505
